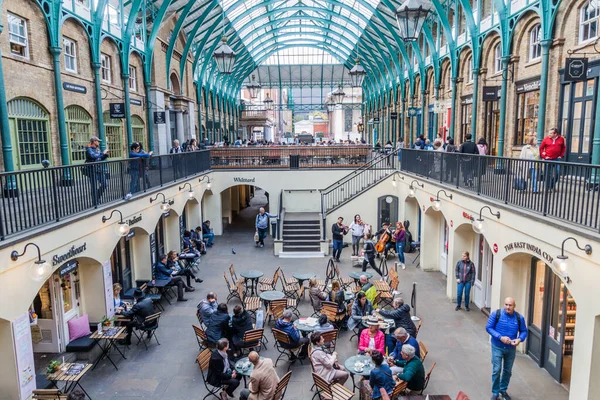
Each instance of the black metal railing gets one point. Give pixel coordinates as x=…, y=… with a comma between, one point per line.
x=354, y=183
x=565, y=191
x=37, y=197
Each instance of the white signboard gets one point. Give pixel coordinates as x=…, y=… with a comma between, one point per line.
x=24, y=356
x=108, y=289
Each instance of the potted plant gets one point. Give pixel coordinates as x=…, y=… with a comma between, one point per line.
x=52, y=367
x=107, y=322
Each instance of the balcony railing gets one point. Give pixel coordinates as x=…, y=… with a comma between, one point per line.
x=35, y=198
x=565, y=191
x=294, y=157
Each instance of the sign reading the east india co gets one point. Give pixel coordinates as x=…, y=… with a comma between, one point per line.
x=516, y=246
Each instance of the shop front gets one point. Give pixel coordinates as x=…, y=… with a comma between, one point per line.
x=484, y=266
x=551, y=322
x=466, y=115
x=157, y=240
x=122, y=262
x=528, y=104
x=491, y=123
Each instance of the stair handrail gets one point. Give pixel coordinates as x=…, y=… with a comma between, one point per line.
x=360, y=169
x=281, y=216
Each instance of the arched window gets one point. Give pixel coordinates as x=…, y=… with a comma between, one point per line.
x=497, y=58
x=79, y=128
x=175, y=87
x=114, y=135
x=588, y=21
x=469, y=69
x=535, y=49
x=137, y=127
x=30, y=132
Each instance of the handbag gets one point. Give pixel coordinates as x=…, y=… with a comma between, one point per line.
x=256, y=236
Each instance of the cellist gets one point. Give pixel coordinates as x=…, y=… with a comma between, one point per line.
x=385, y=240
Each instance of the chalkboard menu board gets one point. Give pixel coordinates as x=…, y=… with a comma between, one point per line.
x=153, y=248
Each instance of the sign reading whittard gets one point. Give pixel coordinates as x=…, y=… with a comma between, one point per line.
x=515, y=246
x=73, y=251
x=244, y=180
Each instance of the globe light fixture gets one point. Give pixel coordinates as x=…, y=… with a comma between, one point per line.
x=394, y=181
x=478, y=224
x=121, y=228
x=190, y=192
x=203, y=178
x=224, y=57
x=164, y=206
x=412, y=189
x=410, y=17
x=563, y=264
x=40, y=269
x=338, y=95
x=358, y=73
x=437, y=204
x=253, y=87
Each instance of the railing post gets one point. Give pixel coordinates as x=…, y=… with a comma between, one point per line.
x=507, y=183
x=122, y=173
x=479, y=173
x=55, y=196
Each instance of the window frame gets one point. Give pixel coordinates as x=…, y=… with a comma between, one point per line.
x=70, y=43
x=105, y=68
x=24, y=36
x=132, y=78
x=588, y=22
x=535, y=46
x=497, y=59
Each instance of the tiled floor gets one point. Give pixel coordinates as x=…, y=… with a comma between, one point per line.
x=457, y=341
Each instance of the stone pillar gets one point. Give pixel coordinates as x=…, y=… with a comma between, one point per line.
x=180, y=127
x=60, y=107
x=503, y=95
x=99, y=112
x=541, y=128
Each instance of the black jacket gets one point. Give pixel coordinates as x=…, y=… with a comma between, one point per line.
x=217, y=327
x=337, y=233
x=468, y=148
x=215, y=369
x=140, y=311
x=339, y=298
x=401, y=317
x=239, y=325
x=205, y=229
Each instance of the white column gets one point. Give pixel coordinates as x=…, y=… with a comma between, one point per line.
x=160, y=131
x=338, y=124
x=179, y=124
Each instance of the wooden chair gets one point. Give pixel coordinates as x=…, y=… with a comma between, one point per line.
x=269, y=283
x=276, y=308
x=419, y=325
x=234, y=277
x=203, y=360
x=291, y=288
x=344, y=282
x=330, y=338
x=462, y=396
x=284, y=346
x=423, y=350
x=328, y=391
x=427, y=377
x=201, y=338
x=233, y=291
x=282, y=386
x=149, y=328
x=251, y=304
x=398, y=389
x=48, y=394
x=253, y=339
x=200, y=320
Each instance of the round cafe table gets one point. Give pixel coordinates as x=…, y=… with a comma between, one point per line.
x=269, y=295
x=253, y=276
x=303, y=276
x=356, y=276
x=349, y=365
x=303, y=328
x=244, y=372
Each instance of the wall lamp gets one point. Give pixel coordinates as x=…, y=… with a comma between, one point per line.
x=39, y=269
x=205, y=177
x=394, y=181
x=191, y=191
x=164, y=206
x=563, y=259
x=411, y=188
x=478, y=226
x=437, y=205
x=122, y=228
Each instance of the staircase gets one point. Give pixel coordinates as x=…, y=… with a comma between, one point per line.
x=358, y=181
x=301, y=235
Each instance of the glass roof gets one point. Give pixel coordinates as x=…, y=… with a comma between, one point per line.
x=301, y=56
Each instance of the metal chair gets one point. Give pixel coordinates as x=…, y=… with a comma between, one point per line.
x=398, y=390
x=233, y=291
x=251, y=304
x=327, y=391
x=253, y=339
x=269, y=283
x=330, y=338
x=427, y=377
x=330, y=309
x=203, y=360
x=149, y=327
x=282, y=386
x=423, y=350
x=419, y=325
x=234, y=277
x=200, y=320
x=156, y=297
x=276, y=308
x=284, y=346
x=291, y=288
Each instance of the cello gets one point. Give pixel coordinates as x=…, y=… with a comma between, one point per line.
x=385, y=237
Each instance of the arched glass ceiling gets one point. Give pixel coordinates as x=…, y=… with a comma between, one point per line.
x=301, y=55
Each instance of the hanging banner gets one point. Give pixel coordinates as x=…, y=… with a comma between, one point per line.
x=117, y=110
x=375, y=120
x=576, y=69
x=159, y=117
x=108, y=289
x=394, y=115
x=24, y=356
x=490, y=93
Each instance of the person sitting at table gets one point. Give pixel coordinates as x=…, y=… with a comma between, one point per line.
x=326, y=365
x=138, y=313
x=324, y=324
x=372, y=338
x=217, y=326
x=364, y=284
x=221, y=371
x=285, y=324
x=316, y=294
x=337, y=296
x=240, y=324
x=119, y=304
x=413, y=373
x=401, y=316
x=395, y=359
x=381, y=376
x=207, y=307
x=175, y=265
x=263, y=379
x=162, y=272
x=190, y=246
x=361, y=309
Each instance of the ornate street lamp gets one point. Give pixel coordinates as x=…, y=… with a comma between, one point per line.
x=225, y=57
x=253, y=87
x=357, y=74
x=121, y=228
x=338, y=95
x=164, y=206
x=410, y=17
x=40, y=269
x=268, y=102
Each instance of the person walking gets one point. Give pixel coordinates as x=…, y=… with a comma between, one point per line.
x=465, y=277
x=552, y=149
x=531, y=153
x=338, y=231
x=262, y=226
x=450, y=164
x=369, y=258
x=357, y=228
x=95, y=173
x=507, y=329
x=468, y=147
x=136, y=166
x=399, y=238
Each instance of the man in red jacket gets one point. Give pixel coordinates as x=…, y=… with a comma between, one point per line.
x=552, y=149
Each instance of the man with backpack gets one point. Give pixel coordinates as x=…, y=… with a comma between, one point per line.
x=507, y=329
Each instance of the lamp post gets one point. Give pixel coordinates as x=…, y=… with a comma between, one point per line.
x=478, y=226
x=253, y=87
x=190, y=192
x=410, y=17
x=394, y=181
x=224, y=57
x=164, y=206
x=357, y=74
x=338, y=95
x=562, y=265
x=268, y=102
x=122, y=228
x=40, y=269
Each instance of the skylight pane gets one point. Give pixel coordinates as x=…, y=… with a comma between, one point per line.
x=301, y=55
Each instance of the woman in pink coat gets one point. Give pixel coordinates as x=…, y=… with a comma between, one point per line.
x=372, y=338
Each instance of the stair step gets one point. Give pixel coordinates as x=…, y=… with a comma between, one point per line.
x=301, y=231
x=300, y=242
x=301, y=222
x=301, y=254
x=301, y=248
x=301, y=237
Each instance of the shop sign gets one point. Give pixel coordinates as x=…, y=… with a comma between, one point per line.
x=135, y=102
x=576, y=69
x=244, y=180
x=495, y=247
x=468, y=216
x=413, y=111
x=109, y=296
x=394, y=115
x=515, y=246
x=490, y=93
x=166, y=215
x=59, y=258
x=451, y=223
x=72, y=87
x=68, y=267
x=375, y=120
x=153, y=247
x=134, y=220
x=528, y=86
x=130, y=235
x=159, y=117
x=467, y=100
x=23, y=345
x=117, y=110
x=171, y=202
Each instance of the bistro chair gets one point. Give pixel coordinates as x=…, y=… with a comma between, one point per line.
x=203, y=343
x=419, y=325
x=269, y=283
x=200, y=320
x=234, y=277
x=327, y=391
x=48, y=394
x=284, y=346
x=423, y=350
x=233, y=292
x=330, y=309
x=276, y=308
x=398, y=389
x=253, y=339
x=149, y=328
x=251, y=304
x=155, y=296
x=291, y=288
x=330, y=338
x=316, y=313
x=344, y=282
x=427, y=377
x=282, y=386
x=203, y=360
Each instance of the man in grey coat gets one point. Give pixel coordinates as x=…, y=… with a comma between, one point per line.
x=465, y=277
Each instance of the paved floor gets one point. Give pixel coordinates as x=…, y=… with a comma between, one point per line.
x=457, y=341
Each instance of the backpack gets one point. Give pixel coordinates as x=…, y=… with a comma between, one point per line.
x=408, y=239
x=518, y=319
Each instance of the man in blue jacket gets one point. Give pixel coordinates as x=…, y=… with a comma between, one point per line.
x=262, y=226
x=136, y=166
x=162, y=272
x=286, y=325
x=507, y=329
